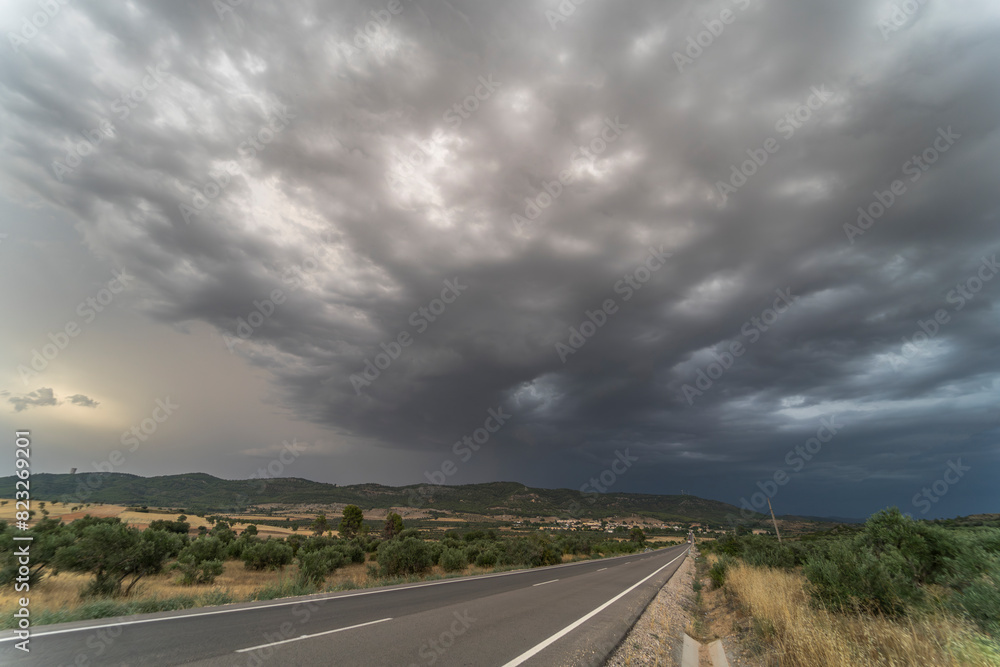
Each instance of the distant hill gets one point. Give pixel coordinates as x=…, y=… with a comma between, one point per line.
x=832, y=519
x=202, y=492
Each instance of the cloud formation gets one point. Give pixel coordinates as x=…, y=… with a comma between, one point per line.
x=308, y=180
x=39, y=398
x=81, y=400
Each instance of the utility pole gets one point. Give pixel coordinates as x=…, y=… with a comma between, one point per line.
x=776, y=531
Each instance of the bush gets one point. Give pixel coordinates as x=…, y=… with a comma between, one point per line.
x=267, y=555
x=407, y=555
x=315, y=565
x=453, y=560
x=980, y=601
x=853, y=578
x=180, y=526
x=201, y=561
x=487, y=558
x=717, y=573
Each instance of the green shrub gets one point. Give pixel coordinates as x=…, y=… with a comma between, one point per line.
x=453, y=560
x=315, y=565
x=403, y=555
x=717, y=573
x=267, y=555
x=853, y=578
x=487, y=558
x=980, y=601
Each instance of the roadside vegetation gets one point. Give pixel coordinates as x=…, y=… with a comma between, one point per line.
x=97, y=567
x=894, y=591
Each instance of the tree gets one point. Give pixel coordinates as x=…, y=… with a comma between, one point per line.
x=393, y=526
x=114, y=552
x=48, y=536
x=636, y=535
x=250, y=530
x=352, y=522
x=201, y=561
x=320, y=525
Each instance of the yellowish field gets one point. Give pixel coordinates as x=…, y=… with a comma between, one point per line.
x=59, y=510
x=140, y=520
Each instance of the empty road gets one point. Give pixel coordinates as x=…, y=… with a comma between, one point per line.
x=570, y=614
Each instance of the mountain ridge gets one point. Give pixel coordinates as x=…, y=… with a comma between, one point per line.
x=204, y=492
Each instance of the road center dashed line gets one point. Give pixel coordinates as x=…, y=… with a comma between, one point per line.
x=544, y=582
x=315, y=634
x=583, y=619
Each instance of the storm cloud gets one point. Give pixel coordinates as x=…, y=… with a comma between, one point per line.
x=737, y=238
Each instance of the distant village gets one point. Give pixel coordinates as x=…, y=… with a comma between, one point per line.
x=621, y=525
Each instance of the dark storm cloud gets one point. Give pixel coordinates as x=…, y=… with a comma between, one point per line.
x=358, y=172
x=38, y=398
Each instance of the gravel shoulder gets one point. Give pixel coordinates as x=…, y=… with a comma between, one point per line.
x=656, y=638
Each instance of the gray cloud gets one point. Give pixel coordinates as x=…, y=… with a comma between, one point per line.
x=39, y=398
x=81, y=400
x=364, y=194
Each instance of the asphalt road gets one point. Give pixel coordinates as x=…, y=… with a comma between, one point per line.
x=572, y=614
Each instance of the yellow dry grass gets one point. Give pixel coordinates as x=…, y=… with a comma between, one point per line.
x=803, y=635
x=62, y=591
x=56, y=509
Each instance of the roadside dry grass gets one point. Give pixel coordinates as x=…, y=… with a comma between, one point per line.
x=56, y=597
x=797, y=633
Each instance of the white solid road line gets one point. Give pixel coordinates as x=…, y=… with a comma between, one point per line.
x=298, y=600
x=602, y=569
x=583, y=619
x=316, y=634
x=544, y=582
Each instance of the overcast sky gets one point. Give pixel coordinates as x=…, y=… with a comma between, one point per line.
x=363, y=226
